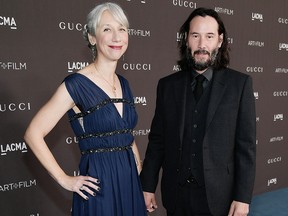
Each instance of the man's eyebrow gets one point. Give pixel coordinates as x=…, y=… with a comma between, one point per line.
x=211, y=33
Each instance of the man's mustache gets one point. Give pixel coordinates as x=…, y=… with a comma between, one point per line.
x=201, y=52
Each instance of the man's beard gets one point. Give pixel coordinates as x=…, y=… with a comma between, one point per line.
x=202, y=65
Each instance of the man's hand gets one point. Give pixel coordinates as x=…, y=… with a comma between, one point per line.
x=238, y=209
x=150, y=201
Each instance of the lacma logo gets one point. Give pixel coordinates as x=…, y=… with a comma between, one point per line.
x=8, y=21
x=13, y=147
x=278, y=117
x=277, y=139
x=272, y=181
x=140, y=100
x=76, y=66
x=283, y=46
x=257, y=16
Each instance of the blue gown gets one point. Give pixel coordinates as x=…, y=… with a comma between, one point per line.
x=105, y=140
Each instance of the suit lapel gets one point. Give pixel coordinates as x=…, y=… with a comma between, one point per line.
x=217, y=91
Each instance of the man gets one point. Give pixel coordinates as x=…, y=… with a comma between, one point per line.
x=203, y=131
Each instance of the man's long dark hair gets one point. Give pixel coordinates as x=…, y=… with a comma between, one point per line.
x=222, y=59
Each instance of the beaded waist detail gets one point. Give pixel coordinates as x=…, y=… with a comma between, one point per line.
x=112, y=149
x=106, y=134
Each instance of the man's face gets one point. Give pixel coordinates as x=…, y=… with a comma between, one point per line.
x=204, y=41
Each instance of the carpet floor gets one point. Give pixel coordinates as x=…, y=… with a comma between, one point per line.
x=273, y=203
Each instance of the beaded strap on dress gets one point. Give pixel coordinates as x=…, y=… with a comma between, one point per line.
x=100, y=105
x=106, y=134
x=112, y=149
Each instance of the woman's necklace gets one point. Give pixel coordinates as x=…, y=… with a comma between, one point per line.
x=112, y=86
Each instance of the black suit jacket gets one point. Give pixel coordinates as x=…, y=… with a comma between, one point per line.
x=229, y=145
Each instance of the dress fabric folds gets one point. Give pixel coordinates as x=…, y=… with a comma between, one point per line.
x=105, y=137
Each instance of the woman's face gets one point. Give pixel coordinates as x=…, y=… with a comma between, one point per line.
x=111, y=38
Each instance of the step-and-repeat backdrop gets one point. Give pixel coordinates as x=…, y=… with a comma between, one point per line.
x=41, y=43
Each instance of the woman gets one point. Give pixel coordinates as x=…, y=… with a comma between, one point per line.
x=102, y=115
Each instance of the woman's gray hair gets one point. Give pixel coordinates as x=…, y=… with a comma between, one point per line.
x=94, y=17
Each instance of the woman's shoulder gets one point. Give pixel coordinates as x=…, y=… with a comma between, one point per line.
x=71, y=77
x=77, y=75
x=73, y=80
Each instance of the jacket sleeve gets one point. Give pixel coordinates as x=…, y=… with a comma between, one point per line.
x=155, y=150
x=245, y=140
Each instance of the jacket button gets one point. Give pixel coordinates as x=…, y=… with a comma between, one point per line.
x=190, y=180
